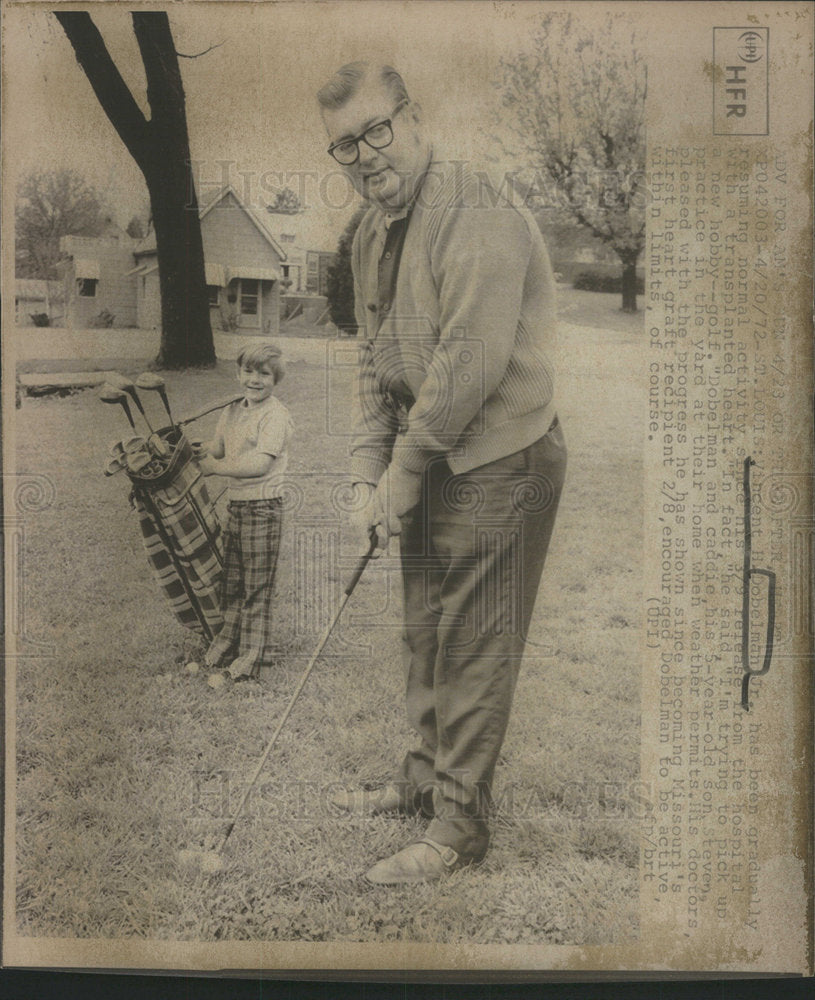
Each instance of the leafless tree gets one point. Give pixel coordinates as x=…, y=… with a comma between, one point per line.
x=52, y=204
x=286, y=203
x=160, y=146
x=574, y=106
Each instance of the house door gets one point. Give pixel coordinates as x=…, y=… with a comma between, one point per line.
x=249, y=304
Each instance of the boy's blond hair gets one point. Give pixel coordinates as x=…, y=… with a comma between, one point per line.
x=268, y=354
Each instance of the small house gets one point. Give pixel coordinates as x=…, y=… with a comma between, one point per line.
x=98, y=290
x=243, y=264
x=305, y=271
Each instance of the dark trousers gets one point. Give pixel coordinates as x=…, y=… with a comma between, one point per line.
x=472, y=556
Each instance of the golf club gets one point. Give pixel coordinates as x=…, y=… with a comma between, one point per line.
x=209, y=409
x=136, y=443
x=136, y=461
x=126, y=385
x=110, y=394
x=116, y=464
x=155, y=441
x=153, y=469
x=158, y=446
x=151, y=382
x=212, y=861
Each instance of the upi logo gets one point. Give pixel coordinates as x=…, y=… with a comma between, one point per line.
x=751, y=46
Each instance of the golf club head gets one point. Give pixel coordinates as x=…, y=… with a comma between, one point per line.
x=136, y=462
x=134, y=444
x=110, y=393
x=121, y=382
x=150, y=381
x=158, y=446
x=126, y=385
x=114, y=465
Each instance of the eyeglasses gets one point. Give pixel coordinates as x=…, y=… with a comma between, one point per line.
x=378, y=136
x=748, y=573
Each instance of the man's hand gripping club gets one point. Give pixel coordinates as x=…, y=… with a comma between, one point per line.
x=382, y=507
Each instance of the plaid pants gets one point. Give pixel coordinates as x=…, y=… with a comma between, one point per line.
x=251, y=547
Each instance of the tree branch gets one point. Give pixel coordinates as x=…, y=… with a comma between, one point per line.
x=197, y=55
x=111, y=91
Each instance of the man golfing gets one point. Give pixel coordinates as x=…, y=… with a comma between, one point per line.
x=456, y=447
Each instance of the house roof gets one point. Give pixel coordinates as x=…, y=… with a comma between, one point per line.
x=205, y=206
x=258, y=220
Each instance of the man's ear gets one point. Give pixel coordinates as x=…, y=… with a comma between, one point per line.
x=416, y=113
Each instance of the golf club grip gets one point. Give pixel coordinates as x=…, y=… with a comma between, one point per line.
x=360, y=567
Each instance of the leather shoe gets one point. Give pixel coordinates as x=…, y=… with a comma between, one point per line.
x=423, y=861
x=367, y=802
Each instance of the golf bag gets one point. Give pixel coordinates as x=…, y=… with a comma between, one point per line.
x=182, y=534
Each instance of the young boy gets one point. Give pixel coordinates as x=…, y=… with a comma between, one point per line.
x=250, y=447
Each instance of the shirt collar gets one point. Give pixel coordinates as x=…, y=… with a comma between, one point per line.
x=391, y=217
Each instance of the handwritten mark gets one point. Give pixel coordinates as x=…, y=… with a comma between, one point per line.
x=748, y=573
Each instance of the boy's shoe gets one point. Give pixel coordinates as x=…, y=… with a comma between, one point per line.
x=220, y=680
x=217, y=653
x=225, y=678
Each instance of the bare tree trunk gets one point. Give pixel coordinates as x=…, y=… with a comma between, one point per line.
x=161, y=149
x=629, y=284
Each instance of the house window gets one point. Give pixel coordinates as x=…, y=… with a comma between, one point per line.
x=212, y=294
x=249, y=296
x=86, y=287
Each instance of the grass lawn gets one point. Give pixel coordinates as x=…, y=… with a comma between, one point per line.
x=123, y=758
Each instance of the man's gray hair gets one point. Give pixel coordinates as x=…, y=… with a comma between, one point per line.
x=349, y=78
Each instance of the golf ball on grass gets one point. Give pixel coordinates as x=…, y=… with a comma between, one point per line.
x=211, y=862
x=205, y=861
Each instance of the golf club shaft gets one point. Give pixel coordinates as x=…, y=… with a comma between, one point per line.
x=209, y=409
x=363, y=562
x=126, y=408
x=163, y=394
x=122, y=401
x=131, y=391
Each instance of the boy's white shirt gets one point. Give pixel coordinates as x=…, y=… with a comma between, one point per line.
x=264, y=427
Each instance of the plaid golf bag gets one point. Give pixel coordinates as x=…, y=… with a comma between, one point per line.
x=182, y=536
